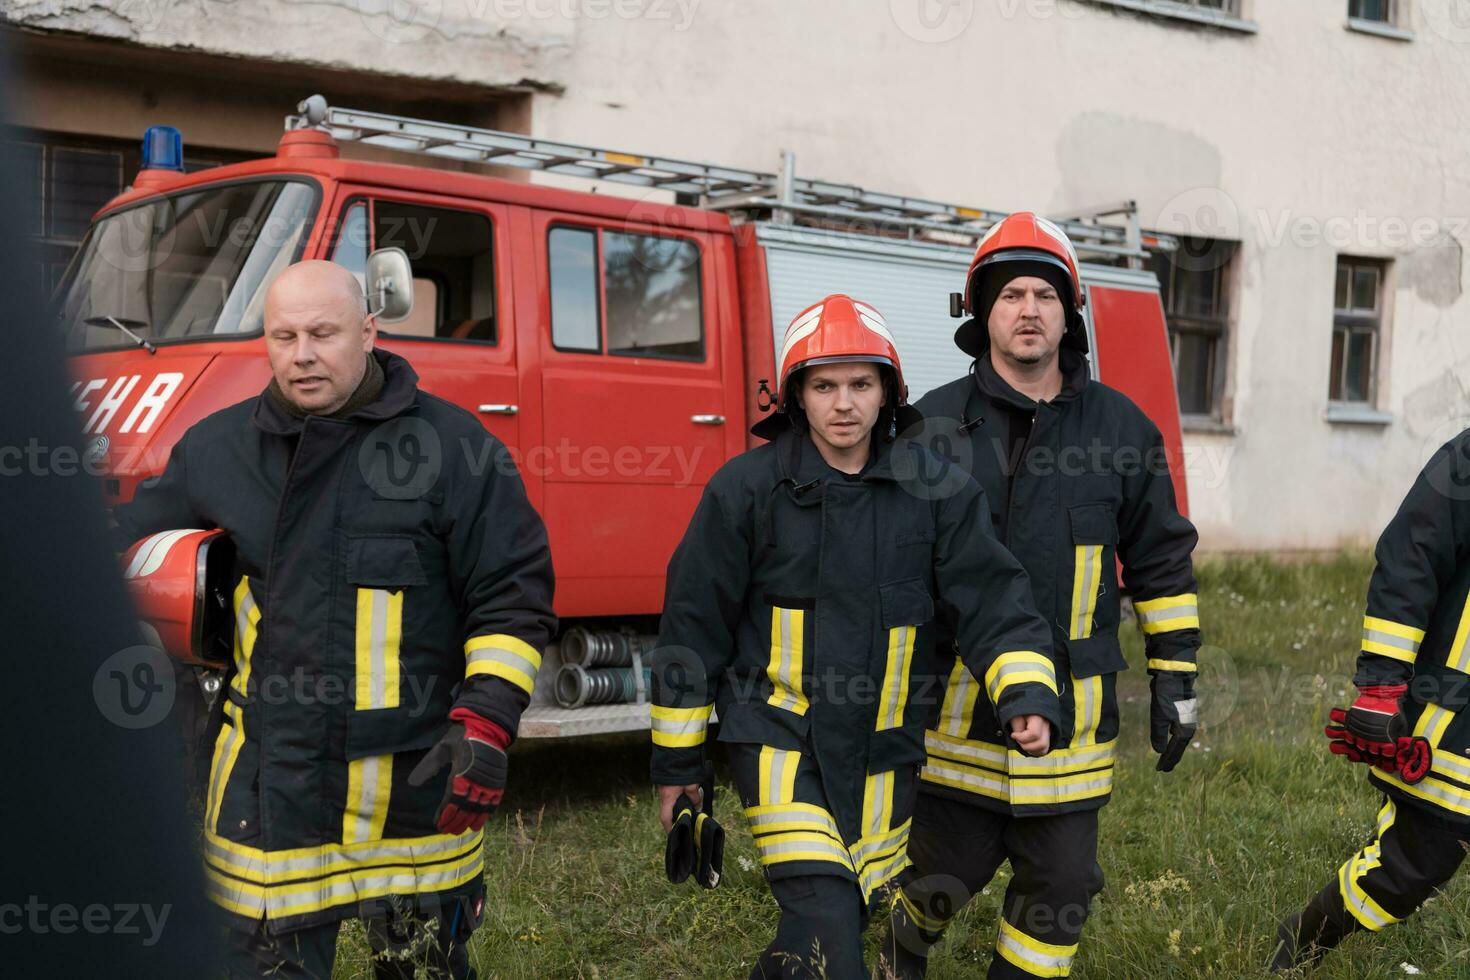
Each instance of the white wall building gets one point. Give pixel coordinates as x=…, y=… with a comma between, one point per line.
x=1316, y=153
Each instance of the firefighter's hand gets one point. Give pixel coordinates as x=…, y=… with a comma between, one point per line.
x=1032, y=734
x=668, y=795
x=1374, y=730
x=1172, y=717
x=474, y=748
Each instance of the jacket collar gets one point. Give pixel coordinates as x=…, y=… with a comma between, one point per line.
x=400, y=388
x=998, y=390
x=802, y=465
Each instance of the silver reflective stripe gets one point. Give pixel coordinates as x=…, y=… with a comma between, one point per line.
x=1389, y=640
x=881, y=789
x=366, y=798
x=378, y=671
x=1365, y=912
x=408, y=881
x=1082, y=625
x=1023, y=792
x=217, y=778
x=895, y=837
x=1042, y=960
x=900, y=638
x=771, y=849
x=780, y=759
x=786, y=695
x=495, y=655
x=956, y=722
x=1172, y=612
x=1188, y=711
x=997, y=680
x=1026, y=765
x=967, y=778
x=687, y=726
x=340, y=860
x=794, y=822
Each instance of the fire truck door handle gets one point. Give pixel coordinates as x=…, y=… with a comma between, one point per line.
x=500, y=409
x=707, y=419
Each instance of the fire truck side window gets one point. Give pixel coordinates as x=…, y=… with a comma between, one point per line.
x=574, y=313
x=653, y=296
x=650, y=290
x=453, y=267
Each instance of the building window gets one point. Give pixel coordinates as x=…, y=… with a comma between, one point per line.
x=1357, y=319
x=1193, y=284
x=1380, y=11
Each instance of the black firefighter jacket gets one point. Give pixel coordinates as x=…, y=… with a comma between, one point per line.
x=800, y=605
x=1076, y=485
x=1417, y=628
x=389, y=568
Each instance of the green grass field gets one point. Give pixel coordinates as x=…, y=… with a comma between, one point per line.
x=1200, y=863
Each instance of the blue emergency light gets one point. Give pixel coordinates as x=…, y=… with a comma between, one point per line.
x=163, y=149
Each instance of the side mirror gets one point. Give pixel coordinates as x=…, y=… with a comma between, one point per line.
x=389, y=283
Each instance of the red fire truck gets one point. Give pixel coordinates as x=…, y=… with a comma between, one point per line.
x=617, y=344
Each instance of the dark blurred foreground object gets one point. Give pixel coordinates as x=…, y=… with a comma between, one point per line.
x=100, y=872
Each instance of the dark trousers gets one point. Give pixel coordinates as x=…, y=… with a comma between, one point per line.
x=1411, y=857
x=404, y=938
x=956, y=849
x=820, y=934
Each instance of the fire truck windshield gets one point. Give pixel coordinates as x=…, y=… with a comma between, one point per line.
x=189, y=266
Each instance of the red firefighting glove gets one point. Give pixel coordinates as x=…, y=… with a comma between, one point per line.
x=475, y=749
x=1173, y=716
x=1373, y=730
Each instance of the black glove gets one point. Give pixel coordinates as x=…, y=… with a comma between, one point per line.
x=696, y=842
x=475, y=749
x=1172, y=717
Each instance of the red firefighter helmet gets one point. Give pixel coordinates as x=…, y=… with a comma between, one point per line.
x=1022, y=244
x=837, y=329
x=179, y=581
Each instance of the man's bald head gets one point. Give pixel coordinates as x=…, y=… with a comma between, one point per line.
x=317, y=333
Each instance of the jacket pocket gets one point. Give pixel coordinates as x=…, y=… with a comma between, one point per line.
x=895, y=748
x=1094, y=533
x=1095, y=655
x=382, y=731
x=759, y=723
x=906, y=606
x=382, y=568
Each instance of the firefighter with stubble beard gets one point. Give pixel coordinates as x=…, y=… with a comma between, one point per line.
x=1030, y=413
x=800, y=604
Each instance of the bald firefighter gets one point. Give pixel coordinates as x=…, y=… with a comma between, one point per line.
x=391, y=603
x=1408, y=722
x=1076, y=479
x=800, y=605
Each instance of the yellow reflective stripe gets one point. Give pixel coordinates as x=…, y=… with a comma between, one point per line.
x=799, y=846
x=247, y=627
x=883, y=868
x=921, y=918
x=1183, y=666
x=788, y=628
x=1432, y=723
x=1387, y=638
x=232, y=737
x=1163, y=615
x=1086, y=582
x=378, y=638
x=1350, y=876
x=1032, y=955
x=877, y=803
x=874, y=848
x=785, y=817
x=251, y=882
x=777, y=775
x=960, y=694
x=369, y=786
x=1019, y=667
x=1087, y=699
x=896, y=677
x=679, y=728
x=1459, y=656
x=1063, y=775
x=501, y=655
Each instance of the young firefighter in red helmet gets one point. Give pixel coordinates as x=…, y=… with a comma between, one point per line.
x=800, y=604
x=1076, y=479
x=1409, y=720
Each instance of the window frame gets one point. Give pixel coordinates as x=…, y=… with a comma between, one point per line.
x=372, y=200
x=1217, y=327
x=1352, y=320
x=599, y=264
